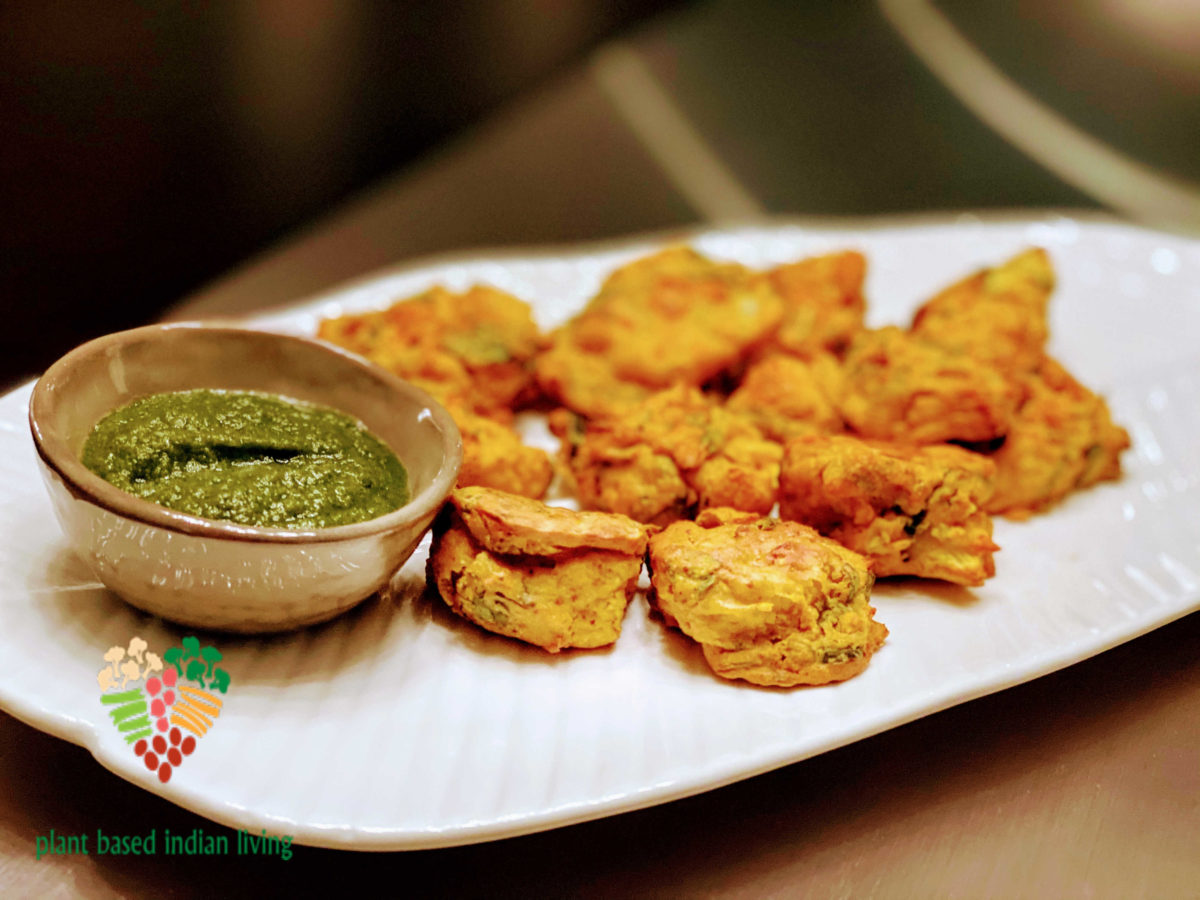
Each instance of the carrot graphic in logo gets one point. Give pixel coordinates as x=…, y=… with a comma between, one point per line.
x=151, y=716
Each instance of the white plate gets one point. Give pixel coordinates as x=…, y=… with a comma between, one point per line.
x=398, y=726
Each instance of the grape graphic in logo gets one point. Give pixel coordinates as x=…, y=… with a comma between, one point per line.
x=162, y=706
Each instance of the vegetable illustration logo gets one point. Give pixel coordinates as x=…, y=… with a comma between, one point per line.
x=154, y=715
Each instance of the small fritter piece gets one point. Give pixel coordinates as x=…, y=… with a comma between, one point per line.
x=909, y=510
x=677, y=451
x=671, y=318
x=495, y=457
x=1062, y=439
x=770, y=602
x=899, y=387
x=823, y=303
x=551, y=577
x=787, y=397
x=997, y=316
x=474, y=349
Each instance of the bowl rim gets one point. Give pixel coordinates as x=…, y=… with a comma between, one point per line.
x=82, y=483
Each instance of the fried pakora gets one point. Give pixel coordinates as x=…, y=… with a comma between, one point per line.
x=674, y=453
x=671, y=318
x=495, y=457
x=997, y=316
x=787, y=397
x=473, y=350
x=909, y=510
x=823, y=303
x=899, y=387
x=1062, y=439
x=551, y=577
x=770, y=602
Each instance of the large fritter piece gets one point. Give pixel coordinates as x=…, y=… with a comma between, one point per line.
x=676, y=452
x=787, y=397
x=770, y=602
x=909, y=510
x=671, y=318
x=1062, y=439
x=899, y=387
x=473, y=350
x=551, y=577
x=997, y=316
x=823, y=303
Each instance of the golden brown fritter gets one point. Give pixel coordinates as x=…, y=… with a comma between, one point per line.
x=671, y=318
x=474, y=350
x=509, y=524
x=770, y=602
x=997, y=316
x=677, y=451
x=909, y=510
x=495, y=457
x=787, y=397
x=823, y=303
x=899, y=387
x=1062, y=439
x=551, y=577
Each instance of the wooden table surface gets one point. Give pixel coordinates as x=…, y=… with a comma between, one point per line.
x=1084, y=783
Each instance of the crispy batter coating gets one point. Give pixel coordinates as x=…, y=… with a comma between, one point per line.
x=493, y=456
x=1062, y=439
x=899, y=387
x=474, y=353
x=474, y=350
x=909, y=510
x=677, y=451
x=997, y=316
x=787, y=397
x=770, y=602
x=823, y=303
x=509, y=524
x=554, y=578
x=671, y=318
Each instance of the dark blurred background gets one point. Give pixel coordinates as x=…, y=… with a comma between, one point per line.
x=149, y=147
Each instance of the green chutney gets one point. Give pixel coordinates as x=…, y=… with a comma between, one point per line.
x=246, y=457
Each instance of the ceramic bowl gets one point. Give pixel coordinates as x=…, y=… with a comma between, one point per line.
x=220, y=575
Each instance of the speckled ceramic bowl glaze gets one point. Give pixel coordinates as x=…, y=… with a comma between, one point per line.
x=221, y=575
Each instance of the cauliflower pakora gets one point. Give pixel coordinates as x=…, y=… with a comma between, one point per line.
x=909, y=510
x=997, y=316
x=786, y=397
x=770, y=602
x=473, y=350
x=899, y=387
x=671, y=318
x=676, y=452
x=1062, y=439
x=823, y=303
x=551, y=577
